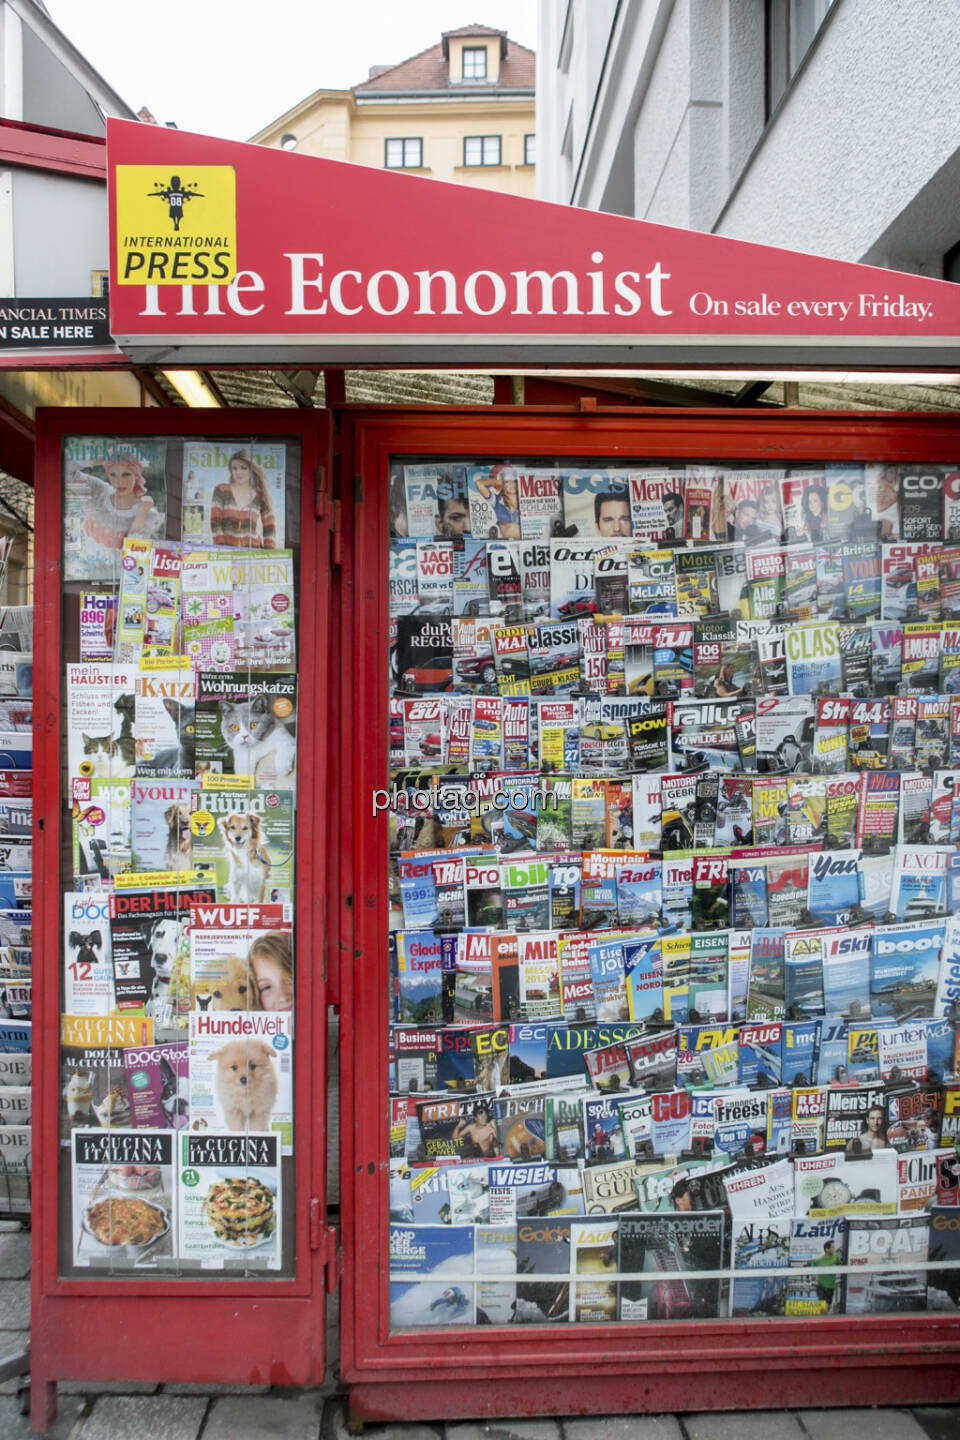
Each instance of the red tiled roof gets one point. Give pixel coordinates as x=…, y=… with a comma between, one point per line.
x=430, y=71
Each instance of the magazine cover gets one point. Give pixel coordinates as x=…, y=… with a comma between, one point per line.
x=857, y=1183
x=100, y=718
x=813, y=658
x=234, y=494
x=241, y=957
x=657, y=503
x=160, y=824
x=598, y=504
x=876, y=1245
x=150, y=952
x=111, y=489
x=100, y=822
x=759, y=1245
x=238, y=609
x=594, y=1246
x=246, y=725
x=660, y=1248
x=816, y=1245
x=158, y=1085
x=88, y=967
x=751, y=500
x=93, y=1088
x=98, y=621
x=493, y=499
x=163, y=728
x=230, y=1199
x=921, y=502
x=241, y=1072
x=124, y=1195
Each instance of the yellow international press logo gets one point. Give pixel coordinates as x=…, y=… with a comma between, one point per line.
x=176, y=227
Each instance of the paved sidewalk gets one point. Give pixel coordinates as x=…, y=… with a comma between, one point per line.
x=311, y=1415
x=208, y=1412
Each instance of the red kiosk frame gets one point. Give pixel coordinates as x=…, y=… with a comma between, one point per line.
x=581, y=1370
x=101, y=1330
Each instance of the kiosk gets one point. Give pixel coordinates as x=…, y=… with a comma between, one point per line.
x=229, y=255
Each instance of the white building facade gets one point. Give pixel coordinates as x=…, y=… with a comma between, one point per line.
x=827, y=126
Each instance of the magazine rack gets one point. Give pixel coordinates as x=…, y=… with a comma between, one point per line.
x=488, y=1371
x=90, y=1326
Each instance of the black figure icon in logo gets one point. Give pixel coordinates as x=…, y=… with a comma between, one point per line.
x=176, y=196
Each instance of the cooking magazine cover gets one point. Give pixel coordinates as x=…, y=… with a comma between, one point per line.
x=230, y=1201
x=93, y=1085
x=234, y=494
x=124, y=1196
x=111, y=489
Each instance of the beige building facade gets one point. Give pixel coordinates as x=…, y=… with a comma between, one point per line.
x=463, y=110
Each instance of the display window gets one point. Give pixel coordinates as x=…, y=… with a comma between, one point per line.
x=180, y=719
x=670, y=880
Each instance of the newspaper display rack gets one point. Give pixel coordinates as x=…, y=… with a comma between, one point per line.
x=641, y=1073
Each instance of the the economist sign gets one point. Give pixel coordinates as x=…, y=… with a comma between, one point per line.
x=226, y=251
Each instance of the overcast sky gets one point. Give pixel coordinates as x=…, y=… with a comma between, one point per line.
x=229, y=67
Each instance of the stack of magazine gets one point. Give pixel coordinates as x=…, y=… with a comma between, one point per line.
x=180, y=692
x=674, y=823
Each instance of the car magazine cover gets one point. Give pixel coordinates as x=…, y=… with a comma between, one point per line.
x=234, y=494
x=231, y=1201
x=657, y=1250
x=112, y=489
x=125, y=1198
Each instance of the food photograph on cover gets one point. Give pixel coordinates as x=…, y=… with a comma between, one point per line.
x=674, y=890
x=177, y=1027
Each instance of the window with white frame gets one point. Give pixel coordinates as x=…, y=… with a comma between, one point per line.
x=529, y=149
x=475, y=62
x=481, y=150
x=406, y=154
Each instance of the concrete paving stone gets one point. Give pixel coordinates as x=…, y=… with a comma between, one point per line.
x=939, y=1422
x=106, y=1387
x=885, y=1424
x=14, y=1426
x=161, y=1417
x=335, y=1427
x=516, y=1429
x=259, y=1418
x=14, y=1306
x=14, y=1256
x=753, y=1425
x=625, y=1427
x=181, y=1388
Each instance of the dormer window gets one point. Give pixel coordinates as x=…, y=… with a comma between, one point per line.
x=475, y=62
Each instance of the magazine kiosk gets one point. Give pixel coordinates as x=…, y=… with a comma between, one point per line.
x=343, y=471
